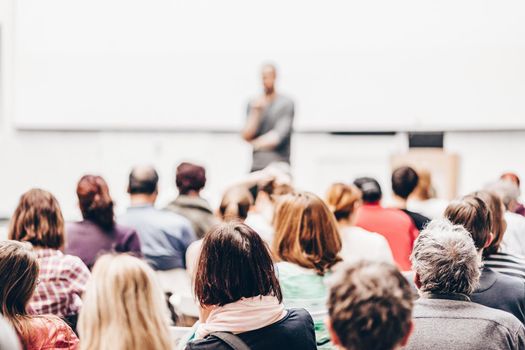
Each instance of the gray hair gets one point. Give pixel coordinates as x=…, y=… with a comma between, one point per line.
x=445, y=259
x=506, y=190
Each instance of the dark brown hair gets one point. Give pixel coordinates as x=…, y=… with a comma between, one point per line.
x=235, y=203
x=342, y=200
x=404, y=181
x=18, y=279
x=306, y=232
x=95, y=202
x=234, y=263
x=370, y=306
x=190, y=177
x=499, y=225
x=38, y=220
x=474, y=215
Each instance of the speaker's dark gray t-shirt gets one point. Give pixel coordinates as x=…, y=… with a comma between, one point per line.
x=277, y=116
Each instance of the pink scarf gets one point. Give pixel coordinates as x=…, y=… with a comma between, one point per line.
x=244, y=315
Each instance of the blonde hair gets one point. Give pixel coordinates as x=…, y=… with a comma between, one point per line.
x=306, y=232
x=342, y=200
x=123, y=307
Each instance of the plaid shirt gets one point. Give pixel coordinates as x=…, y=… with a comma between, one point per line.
x=63, y=279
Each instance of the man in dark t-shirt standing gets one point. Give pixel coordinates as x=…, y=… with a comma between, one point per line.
x=269, y=124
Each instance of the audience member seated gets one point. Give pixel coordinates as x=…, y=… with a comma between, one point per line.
x=514, y=237
x=164, y=236
x=8, y=338
x=495, y=289
x=19, y=271
x=98, y=233
x=493, y=258
x=423, y=199
x=62, y=278
x=307, y=245
x=260, y=216
x=357, y=243
x=404, y=181
x=370, y=307
x=239, y=293
x=446, y=264
x=517, y=207
x=123, y=307
x=190, y=180
x=235, y=205
x=396, y=226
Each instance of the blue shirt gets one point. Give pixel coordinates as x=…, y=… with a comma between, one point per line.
x=164, y=235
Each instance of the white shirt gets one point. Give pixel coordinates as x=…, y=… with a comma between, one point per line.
x=360, y=244
x=432, y=208
x=514, y=237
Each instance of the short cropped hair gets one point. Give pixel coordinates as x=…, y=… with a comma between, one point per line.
x=474, y=214
x=234, y=263
x=190, y=177
x=445, y=259
x=404, y=181
x=143, y=180
x=370, y=189
x=370, y=306
x=38, y=220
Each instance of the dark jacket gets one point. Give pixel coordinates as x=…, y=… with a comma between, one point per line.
x=197, y=210
x=294, y=332
x=419, y=220
x=501, y=292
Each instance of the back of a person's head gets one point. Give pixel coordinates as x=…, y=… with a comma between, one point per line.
x=343, y=199
x=424, y=189
x=370, y=189
x=404, y=181
x=508, y=191
x=234, y=263
x=18, y=279
x=123, y=307
x=143, y=180
x=306, y=232
x=499, y=225
x=235, y=203
x=370, y=307
x=445, y=259
x=474, y=215
x=512, y=177
x=38, y=220
x=95, y=202
x=190, y=178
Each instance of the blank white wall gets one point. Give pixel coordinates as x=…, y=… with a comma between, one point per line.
x=350, y=65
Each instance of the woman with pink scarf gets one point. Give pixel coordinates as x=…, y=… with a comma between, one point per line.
x=240, y=294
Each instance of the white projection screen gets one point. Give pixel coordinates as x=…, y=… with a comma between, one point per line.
x=350, y=65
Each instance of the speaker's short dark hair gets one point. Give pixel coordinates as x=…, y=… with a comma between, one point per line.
x=143, y=180
x=370, y=189
x=404, y=181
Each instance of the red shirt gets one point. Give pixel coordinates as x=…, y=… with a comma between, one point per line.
x=396, y=226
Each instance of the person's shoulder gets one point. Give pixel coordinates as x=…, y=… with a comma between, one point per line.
x=53, y=332
x=502, y=318
x=510, y=284
x=124, y=230
x=209, y=342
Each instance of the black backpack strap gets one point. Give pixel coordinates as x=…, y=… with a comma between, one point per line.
x=231, y=339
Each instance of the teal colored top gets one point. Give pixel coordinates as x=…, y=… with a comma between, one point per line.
x=304, y=288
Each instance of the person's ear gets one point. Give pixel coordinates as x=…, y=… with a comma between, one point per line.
x=417, y=281
x=333, y=335
x=489, y=240
x=405, y=339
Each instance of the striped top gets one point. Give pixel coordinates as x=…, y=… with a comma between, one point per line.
x=508, y=264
